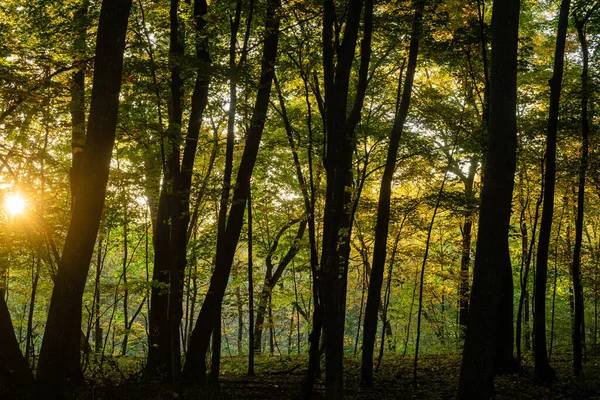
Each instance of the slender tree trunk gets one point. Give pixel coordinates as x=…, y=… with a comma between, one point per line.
x=59, y=362
x=272, y=278
x=195, y=367
x=77, y=106
x=576, y=267
x=528, y=253
x=35, y=277
x=98, y=328
x=556, y=257
x=383, y=210
x=125, y=288
x=465, y=259
x=543, y=372
x=250, y=291
x=422, y=278
x=492, y=280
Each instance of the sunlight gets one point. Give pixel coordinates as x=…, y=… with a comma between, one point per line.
x=14, y=204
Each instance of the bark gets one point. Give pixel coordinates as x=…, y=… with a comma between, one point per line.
x=160, y=357
x=250, y=291
x=78, y=95
x=195, y=367
x=543, y=372
x=576, y=267
x=14, y=369
x=492, y=280
x=340, y=144
x=182, y=183
x=383, y=210
x=59, y=357
x=170, y=250
x=465, y=259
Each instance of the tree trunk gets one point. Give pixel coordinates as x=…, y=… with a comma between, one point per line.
x=195, y=367
x=14, y=369
x=59, y=357
x=383, y=210
x=77, y=105
x=543, y=372
x=338, y=165
x=492, y=280
x=465, y=259
x=250, y=291
x=528, y=253
x=576, y=269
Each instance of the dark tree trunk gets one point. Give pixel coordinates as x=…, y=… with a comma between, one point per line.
x=543, y=371
x=576, y=269
x=59, y=357
x=182, y=183
x=164, y=357
x=340, y=144
x=195, y=367
x=14, y=369
x=491, y=293
x=250, y=291
x=383, y=210
x=160, y=357
x=158, y=363
x=78, y=95
x=465, y=259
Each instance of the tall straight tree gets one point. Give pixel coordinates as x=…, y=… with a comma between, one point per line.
x=492, y=280
x=174, y=201
x=580, y=24
x=543, y=371
x=338, y=54
x=383, y=209
x=59, y=361
x=195, y=365
x=159, y=354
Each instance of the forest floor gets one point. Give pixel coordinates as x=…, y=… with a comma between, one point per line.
x=281, y=377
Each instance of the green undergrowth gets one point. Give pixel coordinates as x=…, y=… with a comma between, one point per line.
x=281, y=378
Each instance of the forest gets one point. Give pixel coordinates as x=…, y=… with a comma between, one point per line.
x=287, y=199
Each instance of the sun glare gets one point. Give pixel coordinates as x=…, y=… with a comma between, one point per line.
x=14, y=204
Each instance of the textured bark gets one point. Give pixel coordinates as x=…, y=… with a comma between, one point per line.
x=59, y=357
x=543, y=371
x=383, y=209
x=492, y=280
x=195, y=367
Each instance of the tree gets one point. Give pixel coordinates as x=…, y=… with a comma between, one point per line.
x=383, y=210
x=59, y=357
x=195, y=367
x=543, y=370
x=578, y=326
x=491, y=292
x=337, y=218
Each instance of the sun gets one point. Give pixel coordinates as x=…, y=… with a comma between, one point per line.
x=15, y=204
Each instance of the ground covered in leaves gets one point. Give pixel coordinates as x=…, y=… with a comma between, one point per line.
x=280, y=378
